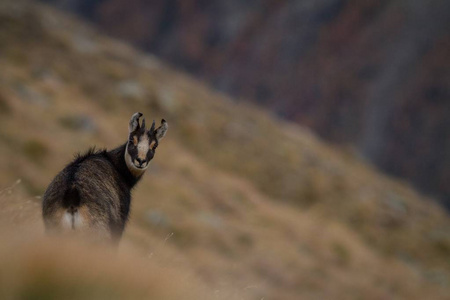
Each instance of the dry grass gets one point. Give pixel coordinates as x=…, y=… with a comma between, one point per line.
x=235, y=202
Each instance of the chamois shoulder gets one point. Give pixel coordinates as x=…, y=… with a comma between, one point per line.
x=91, y=152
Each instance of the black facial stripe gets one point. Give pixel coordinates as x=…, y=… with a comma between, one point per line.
x=132, y=150
x=150, y=155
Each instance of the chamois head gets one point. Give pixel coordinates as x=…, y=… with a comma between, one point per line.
x=142, y=143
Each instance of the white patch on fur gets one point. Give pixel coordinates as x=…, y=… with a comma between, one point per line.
x=67, y=220
x=131, y=166
x=72, y=221
x=143, y=147
x=77, y=220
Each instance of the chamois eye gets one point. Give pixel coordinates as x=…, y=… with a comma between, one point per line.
x=153, y=145
x=133, y=140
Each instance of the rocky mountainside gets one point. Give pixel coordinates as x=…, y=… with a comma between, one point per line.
x=371, y=74
x=237, y=204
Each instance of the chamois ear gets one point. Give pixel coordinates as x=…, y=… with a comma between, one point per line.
x=161, y=131
x=134, y=122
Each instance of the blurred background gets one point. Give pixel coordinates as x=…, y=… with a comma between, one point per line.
x=308, y=153
x=373, y=75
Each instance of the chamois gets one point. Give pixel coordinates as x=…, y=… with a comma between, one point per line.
x=92, y=194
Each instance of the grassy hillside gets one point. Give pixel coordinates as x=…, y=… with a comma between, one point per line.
x=371, y=73
x=236, y=204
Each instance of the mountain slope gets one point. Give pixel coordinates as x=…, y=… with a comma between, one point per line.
x=237, y=201
x=372, y=74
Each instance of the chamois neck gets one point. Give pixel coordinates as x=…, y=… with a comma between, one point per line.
x=117, y=157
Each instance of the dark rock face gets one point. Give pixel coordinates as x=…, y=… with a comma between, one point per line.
x=374, y=74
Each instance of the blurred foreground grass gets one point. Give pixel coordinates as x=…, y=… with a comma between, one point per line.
x=64, y=269
x=235, y=202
